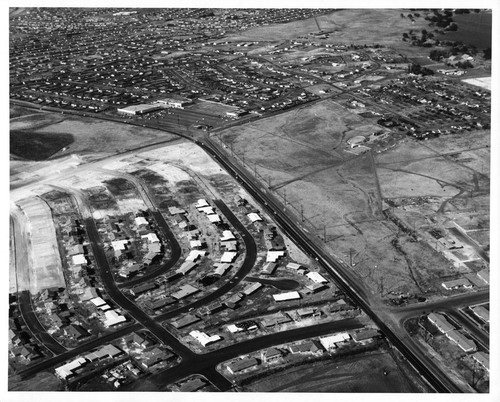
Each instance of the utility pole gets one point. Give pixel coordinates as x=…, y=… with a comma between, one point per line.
x=255, y=169
x=269, y=181
x=324, y=233
x=301, y=213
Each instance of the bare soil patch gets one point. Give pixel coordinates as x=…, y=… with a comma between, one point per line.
x=363, y=373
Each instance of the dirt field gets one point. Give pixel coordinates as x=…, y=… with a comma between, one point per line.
x=84, y=136
x=483, y=82
x=364, y=373
x=43, y=381
x=300, y=154
x=347, y=26
x=44, y=261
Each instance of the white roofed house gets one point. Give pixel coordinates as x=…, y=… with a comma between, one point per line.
x=214, y=218
x=254, y=217
x=112, y=318
x=331, y=342
x=294, y=295
x=440, y=322
x=481, y=312
x=227, y=235
x=228, y=257
x=273, y=256
x=196, y=244
x=207, y=210
x=316, y=277
x=466, y=344
x=151, y=238
x=78, y=259
x=202, y=203
x=203, y=338
x=141, y=221
x=195, y=255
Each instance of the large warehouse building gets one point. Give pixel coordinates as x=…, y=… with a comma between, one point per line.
x=139, y=109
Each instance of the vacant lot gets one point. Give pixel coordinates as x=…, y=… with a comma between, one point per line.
x=364, y=373
x=36, y=146
x=301, y=156
x=346, y=26
x=38, y=136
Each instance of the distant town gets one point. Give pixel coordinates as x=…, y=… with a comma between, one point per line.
x=249, y=200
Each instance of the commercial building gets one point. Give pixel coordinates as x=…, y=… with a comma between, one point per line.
x=176, y=101
x=139, y=109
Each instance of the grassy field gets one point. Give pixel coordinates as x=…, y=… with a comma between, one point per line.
x=363, y=373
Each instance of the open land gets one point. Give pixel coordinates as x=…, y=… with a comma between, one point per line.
x=363, y=373
x=288, y=174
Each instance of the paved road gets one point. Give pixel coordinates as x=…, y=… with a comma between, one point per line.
x=121, y=300
x=73, y=353
x=208, y=361
x=176, y=253
x=467, y=299
x=35, y=327
x=246, y=266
